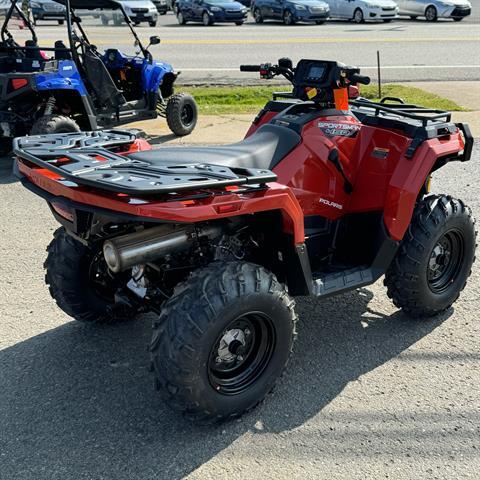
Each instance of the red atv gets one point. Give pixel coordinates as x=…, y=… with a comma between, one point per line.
x=318, y=199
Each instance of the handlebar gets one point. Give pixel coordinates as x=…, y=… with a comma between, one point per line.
x=250, y=68
x=357, y=78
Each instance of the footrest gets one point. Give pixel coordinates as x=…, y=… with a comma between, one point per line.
x=337, y=282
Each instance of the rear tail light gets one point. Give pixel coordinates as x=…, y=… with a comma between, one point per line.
x=18, y=83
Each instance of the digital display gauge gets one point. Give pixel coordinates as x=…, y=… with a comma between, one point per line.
x=316, y=73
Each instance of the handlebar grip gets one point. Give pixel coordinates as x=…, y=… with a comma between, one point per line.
x=357, y=78
x=250, y=68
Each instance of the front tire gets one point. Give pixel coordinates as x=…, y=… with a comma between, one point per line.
x=288, y=18
x=431, y=14
x=54, y=124
x=358, y=16
x=222, y=341
x=180, y=18
x=81, y=284
x=206, y=19
x=257, y=16
x=181, y=114
x=435, y=257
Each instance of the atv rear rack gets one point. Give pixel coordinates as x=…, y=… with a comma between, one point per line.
x=83, y=158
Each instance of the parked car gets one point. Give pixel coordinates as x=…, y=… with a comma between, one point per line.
x=210, y=11
x=47, y=10
x=139, y=11
x=363, y=10
x=290, y=11
x=161, y=6
x=432, y=10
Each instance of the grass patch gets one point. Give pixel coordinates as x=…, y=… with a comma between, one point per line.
x=224, y=100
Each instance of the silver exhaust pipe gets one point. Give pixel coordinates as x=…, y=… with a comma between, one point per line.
x=122, y=253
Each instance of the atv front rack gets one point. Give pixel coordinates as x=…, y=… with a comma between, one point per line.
x=84, y=159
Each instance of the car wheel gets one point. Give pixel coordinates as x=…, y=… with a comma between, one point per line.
x=257, y=16
x=358, y=16
x=206, y=19
x=387, y=20
x=458, y=19
x=431, y=14
x=288, y=18
x=238, y=23
x=152, y=24
x=180, y=18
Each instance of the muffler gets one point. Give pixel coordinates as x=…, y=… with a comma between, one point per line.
x=122, y=253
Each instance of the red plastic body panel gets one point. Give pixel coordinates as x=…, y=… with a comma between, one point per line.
x=373, y=160
x=261, y=120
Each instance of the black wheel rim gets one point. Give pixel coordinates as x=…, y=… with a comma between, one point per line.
x=445, y=261
x=186, y=115
x=241, y=353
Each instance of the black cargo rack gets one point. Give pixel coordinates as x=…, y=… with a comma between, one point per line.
x=82, y=158
x=417, y=122
x=397, y=106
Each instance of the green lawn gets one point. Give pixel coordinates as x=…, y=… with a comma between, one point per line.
x=224, y=100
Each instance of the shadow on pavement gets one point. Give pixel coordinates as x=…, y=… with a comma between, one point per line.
x=6, y=175
x=78, y=402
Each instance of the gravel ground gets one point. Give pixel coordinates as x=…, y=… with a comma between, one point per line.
x=369, y=394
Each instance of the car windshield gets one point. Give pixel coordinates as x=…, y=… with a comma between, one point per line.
x=216, y=1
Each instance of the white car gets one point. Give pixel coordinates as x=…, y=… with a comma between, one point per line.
x=363, y=10
x=432, y=10
x=139, y=11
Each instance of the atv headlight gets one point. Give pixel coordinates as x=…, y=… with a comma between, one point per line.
x=215, y=9
x=300, y=7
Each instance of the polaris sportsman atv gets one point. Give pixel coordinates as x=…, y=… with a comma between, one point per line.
x=76, y=87
x=318, y=199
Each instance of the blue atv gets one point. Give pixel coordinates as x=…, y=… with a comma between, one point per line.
x=74, y=87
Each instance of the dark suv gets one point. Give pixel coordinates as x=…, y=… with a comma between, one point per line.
x=210, y=11
x=47, y=10
x=290, y=11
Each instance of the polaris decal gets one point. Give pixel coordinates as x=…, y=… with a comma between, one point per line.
x=339, y=129
x=330, y=203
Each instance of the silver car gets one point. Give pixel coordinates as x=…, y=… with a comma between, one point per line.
x=432, y=10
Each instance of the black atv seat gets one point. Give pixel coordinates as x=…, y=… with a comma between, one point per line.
x=264, y=150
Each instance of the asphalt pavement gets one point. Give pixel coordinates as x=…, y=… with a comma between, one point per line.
x=369, y=394
x=409, y=50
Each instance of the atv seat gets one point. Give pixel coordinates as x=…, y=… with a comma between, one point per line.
x=265, y=149
x=102, y=83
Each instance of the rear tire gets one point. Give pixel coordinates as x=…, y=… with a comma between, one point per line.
x=257, y=16
x=181, y=114
x=54, y=124
x=70, y=267
x=222, y=341
x=431, y=14
x=435, y=258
